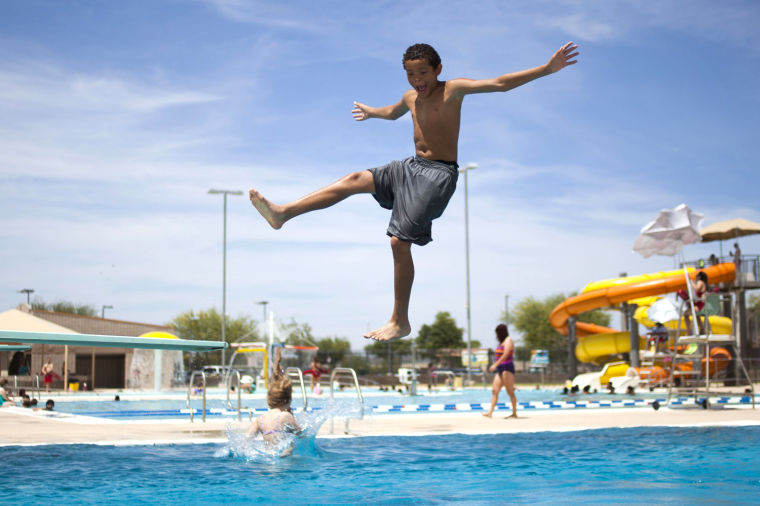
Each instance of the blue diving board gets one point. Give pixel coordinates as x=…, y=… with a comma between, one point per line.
x=151, y=343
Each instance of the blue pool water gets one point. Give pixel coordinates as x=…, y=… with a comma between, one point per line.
x=642, y=465
x=171, y=406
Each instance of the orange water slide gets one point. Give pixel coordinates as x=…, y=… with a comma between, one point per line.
x=654, y=284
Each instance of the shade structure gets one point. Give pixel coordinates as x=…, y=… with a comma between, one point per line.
x=151, y=343
x=669, y=232
x=729, y=229
x=15, y=347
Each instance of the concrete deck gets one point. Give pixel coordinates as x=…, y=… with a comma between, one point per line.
x=25, y=427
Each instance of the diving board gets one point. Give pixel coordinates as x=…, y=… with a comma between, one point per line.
x=150, y=343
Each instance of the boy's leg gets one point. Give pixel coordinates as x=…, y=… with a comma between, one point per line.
x=277, y=215
x=403, y=276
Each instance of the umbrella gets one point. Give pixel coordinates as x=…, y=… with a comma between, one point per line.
x=670, y=231
x=662, y=311
x=729, y=229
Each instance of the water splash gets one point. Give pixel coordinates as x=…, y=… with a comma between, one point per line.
x=302, y=445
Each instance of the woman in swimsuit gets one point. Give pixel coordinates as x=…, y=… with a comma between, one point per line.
x=278, y=422
x=504, y=367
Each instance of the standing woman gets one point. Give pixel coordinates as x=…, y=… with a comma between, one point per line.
x=504, y=367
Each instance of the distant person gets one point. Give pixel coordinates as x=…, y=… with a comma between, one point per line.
x=316, y=371
x=278, y=422
x=49, y=405
x=48, y=374
x=5, y=399
x=431, y=376
x=700, y=289
x=610, y=388
x=713, y=260
x=504, y=367
x=737, y=257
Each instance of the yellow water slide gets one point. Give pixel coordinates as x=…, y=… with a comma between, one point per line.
x=602, y=341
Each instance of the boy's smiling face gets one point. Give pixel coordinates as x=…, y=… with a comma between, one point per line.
x=422, y=76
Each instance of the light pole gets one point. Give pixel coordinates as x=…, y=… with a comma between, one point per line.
x=103, y=311
x=264, y=317
x=465, y=170
x=28, y=292
x=224, y=260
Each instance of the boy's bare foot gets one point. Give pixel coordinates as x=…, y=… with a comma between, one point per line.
x=513, y=415
x=389, y=332
x=271, y=212
x=487, y=415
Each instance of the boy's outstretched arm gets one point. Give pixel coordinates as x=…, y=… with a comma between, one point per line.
x=395, y=111
x=561, y=59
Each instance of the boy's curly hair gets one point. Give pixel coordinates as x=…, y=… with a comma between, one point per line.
x=280, y=391
x=422, y=52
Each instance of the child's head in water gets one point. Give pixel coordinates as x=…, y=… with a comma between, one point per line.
x=280, y=391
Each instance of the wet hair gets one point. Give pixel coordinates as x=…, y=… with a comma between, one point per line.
x=280, y=391
x=702, y=275
x=50, y=404
x=501, y=332
x=422, y=52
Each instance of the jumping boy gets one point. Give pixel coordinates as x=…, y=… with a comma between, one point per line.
x=418, y=188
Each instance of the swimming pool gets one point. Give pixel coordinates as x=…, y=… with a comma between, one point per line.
x=642, y=465
x=135, y=406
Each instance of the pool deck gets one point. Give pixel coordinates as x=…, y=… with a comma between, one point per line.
x=25, y=427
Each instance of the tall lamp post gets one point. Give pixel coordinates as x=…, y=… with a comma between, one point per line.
x=224, y=261
x=103, y=311
x=264, y=315
x=28, y=292
x=465, y=170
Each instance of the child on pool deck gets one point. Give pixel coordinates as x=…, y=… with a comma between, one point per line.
x=279, y=421
x=418, y=188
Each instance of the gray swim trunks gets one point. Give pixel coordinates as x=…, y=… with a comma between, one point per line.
x=417, y=191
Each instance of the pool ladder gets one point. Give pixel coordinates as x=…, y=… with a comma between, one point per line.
x=190, y=388
x=344, y=371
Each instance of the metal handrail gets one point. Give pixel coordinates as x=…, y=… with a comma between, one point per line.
x=190, y=388
x=295, y=372
x=346, y=370
x=447, y=373
x=227, y=387
x=37, y=381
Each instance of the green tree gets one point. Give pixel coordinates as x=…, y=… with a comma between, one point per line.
x=65, y=307
x=442, y=333
x=531, y=318
x=207, y=326
x=332, y=350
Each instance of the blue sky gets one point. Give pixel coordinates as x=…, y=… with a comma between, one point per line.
x=117, y=117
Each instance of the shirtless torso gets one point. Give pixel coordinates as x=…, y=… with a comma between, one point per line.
x=436, y=121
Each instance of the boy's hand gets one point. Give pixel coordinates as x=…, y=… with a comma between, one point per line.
x=563, y=57
x=360, y=112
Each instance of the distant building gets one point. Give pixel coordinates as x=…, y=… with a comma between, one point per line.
x=114, y=367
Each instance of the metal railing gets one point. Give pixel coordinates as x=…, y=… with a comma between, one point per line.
x=228, y=386
x=190, y=388
x=296, y=373
x=343, y=371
